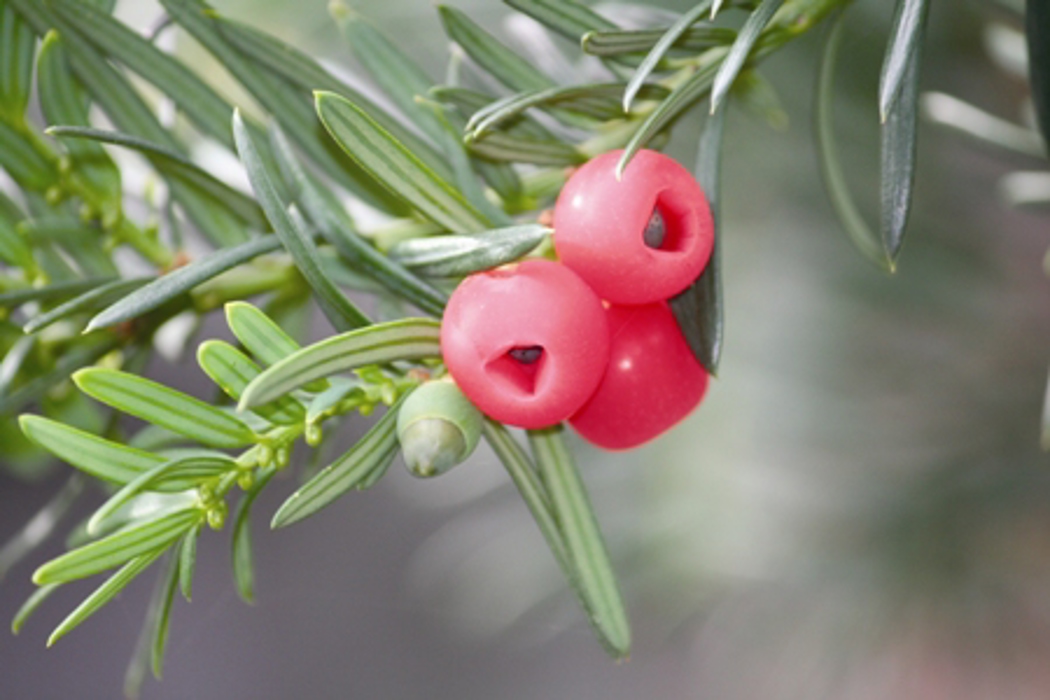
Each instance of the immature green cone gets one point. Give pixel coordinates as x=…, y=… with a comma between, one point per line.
x=438, y=428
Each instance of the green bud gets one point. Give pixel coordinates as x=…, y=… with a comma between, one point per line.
x=206, y=494
x=216, y=515
x=438, y=428
x=313, y=434
x=246, y=480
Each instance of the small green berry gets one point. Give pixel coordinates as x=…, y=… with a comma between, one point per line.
x=438, y=428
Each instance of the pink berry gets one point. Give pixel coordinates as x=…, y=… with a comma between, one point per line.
x=528, y=344
x=636, y=240
x=652, y=382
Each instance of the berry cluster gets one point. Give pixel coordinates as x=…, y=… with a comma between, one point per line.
x=591, y=340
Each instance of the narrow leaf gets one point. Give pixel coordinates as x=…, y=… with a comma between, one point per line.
x=515, y=72
x=453, y=256
x=511, y=107
x=32, y=604
x=572, y=510
x=89, y=301
x=741, y=49
x=104, y=593
x=285, y=101
x=830, y=168
x=303, y=71
x=902, y=50
x=656, y=54
x=159, y=614
x=523, y=473
x=372, y=453
x=159, y=604
x=699, y=310
x=181, y=167
x=390, y=67
x=232, y=370
x=395, y=166
x=130, y=114
x=98, y=457
x=17, y=45
x=26, y=165
x=178, y=474
x=243, y=566
x=57, y=290
x=619, y=42
x=338, y=229
x=156, y=403
x=339, y=310
x=204, y=107
x=569, y=18
x=900, y=124
x=188, y=561
x=490, y=53
x=405, y=339
x=63, y=101
x=499, y=147
x=118, y=548
x=259, y=333
x=470, y=101
x=181, y=280
x=465, y=177
x=674, y=106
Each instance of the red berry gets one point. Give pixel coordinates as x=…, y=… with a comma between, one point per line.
x=527, y=345
x=639, y=239
x=652, y=382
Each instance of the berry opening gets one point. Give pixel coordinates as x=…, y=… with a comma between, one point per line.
x=656, y=230
x=665, y=230
x=519, y=368
x=527, y=356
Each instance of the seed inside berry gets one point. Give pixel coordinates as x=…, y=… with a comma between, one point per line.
x=528, y=355
x=655, y=230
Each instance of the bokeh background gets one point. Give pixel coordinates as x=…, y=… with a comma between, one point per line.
x=860, y=509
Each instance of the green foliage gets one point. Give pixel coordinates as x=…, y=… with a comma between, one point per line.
x=291, y=229
x=359, y=468
x=407, y=339
x=596, y=582
x=830, y=169
x=700, y=308
x=393, y=164
x=130, y=543
x=659, y=48
x=456, y=256
x=233, y=371
x=165, y=499
x=459, y=201
x=96, y=456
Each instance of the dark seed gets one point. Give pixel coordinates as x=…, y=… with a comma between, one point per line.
x=655, y=230
x=527, y=356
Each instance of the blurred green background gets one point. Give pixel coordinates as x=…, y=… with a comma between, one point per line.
x=859, y=509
